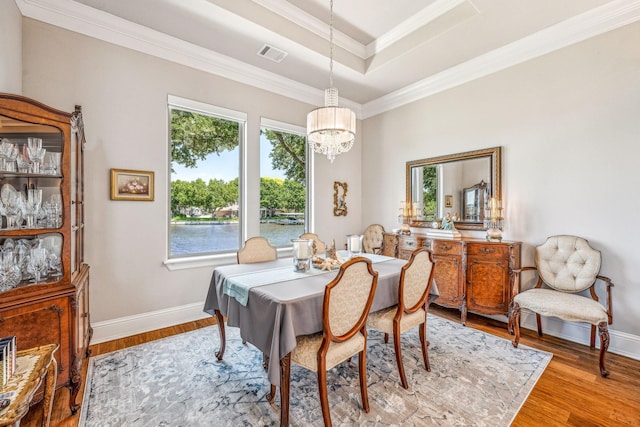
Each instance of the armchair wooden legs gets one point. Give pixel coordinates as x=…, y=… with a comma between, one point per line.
x=514, y=320
x=604, y=345
x=603, y=331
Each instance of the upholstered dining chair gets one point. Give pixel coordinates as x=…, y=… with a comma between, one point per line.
x=415, y=283
x=373, y=239
x=346, y=305
x=319, y=246
x=257, y=249
x=566, y=265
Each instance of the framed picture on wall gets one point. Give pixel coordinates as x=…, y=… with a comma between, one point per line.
x=135, y=185
x=448, y=201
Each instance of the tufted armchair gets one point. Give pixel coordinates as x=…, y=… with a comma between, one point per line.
x=347, y=301
x=257, y=249
x=373, y=238
x=567, y=265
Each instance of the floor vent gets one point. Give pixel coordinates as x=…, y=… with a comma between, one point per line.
x=272, y=53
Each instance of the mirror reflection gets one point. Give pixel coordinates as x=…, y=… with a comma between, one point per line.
x=455, y=184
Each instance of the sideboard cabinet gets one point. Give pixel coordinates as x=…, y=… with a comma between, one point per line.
x=471, y=274
x=44, y=281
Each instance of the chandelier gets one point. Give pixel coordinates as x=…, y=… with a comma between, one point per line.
x=331, y=130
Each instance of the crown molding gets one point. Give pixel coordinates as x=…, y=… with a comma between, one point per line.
x=314, y=25
x=417, y=21
x=85, y=20
x=320, y=28
x=608, y=17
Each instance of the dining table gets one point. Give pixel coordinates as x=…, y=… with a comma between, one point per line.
x=272, y=304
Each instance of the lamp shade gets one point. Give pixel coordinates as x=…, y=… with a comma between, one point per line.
x=331, y=130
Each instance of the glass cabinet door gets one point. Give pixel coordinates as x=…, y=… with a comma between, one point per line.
x=31, y=203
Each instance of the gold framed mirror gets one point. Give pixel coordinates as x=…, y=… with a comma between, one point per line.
x=457, y=183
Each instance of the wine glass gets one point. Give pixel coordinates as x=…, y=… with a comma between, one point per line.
x=36, y=155
x=10, y=274
x=32, y=206
x=37, y=263
x=13, y=209
x=56, y=202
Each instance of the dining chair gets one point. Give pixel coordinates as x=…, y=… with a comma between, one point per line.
x=566, y=266
x=257, y=249
x=346, y=305
x=373, y=239
x=415, y=283
x=318, y=245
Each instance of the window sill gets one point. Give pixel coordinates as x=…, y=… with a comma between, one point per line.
x=200, y=261
x=212, y=260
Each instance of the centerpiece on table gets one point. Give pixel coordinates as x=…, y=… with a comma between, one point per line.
x=331, y=262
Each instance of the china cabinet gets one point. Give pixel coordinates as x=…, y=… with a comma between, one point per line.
x=471, y=274
x=44, y=282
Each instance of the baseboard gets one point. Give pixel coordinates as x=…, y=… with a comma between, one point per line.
x=620, y=343
x=146, y=322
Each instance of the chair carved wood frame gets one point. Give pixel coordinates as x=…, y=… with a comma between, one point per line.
x=567, y=265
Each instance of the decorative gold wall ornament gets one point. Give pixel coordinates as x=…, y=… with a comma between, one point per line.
x=339, y=198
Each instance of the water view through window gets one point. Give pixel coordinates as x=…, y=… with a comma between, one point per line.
x=207, y=238
x=206, y=189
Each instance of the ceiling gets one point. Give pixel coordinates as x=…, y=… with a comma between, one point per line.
x=386, y=52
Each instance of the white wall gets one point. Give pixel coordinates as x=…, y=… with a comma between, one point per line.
x=10, y=48
x=569, y=126
x=123, y=95
x=567, y=123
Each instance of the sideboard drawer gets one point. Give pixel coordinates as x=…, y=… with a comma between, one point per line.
x=487, y=250
x=447, y=247
x=407, y=242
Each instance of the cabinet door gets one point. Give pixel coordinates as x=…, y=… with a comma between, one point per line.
x=83, y=320
x=448, y=280
x=488, y=287
x=40, y=323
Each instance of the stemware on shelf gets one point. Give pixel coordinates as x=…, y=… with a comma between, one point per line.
x=10, y=274
x=38, y=263
x=36, y=156
x=13, y=209
x=52, y=163
x=22, y=163
x=32, y=206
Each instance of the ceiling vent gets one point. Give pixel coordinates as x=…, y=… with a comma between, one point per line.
x=272, y=53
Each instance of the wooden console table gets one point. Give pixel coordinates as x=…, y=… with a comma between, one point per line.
x=471, y=274
x=31, y=367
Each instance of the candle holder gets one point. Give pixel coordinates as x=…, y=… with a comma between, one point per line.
x=409, y=211
x=493, y=219
x=302, y=254
x=354, y=245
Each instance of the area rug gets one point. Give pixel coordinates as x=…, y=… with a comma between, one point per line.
x=476, y=379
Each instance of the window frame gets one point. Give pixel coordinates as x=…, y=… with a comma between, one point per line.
x=277, y=125
x=219, y=258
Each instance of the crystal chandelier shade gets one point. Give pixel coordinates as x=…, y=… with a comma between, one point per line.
x=331, y=130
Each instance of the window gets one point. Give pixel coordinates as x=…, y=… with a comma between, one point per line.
x=284, y=188
x=205, y=143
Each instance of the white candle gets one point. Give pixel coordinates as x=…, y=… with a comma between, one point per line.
x=354, y=243
x=303, y=250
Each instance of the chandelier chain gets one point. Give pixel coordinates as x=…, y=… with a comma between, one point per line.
x=331, y=43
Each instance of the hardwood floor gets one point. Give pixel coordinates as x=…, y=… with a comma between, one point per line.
x=569, y=393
